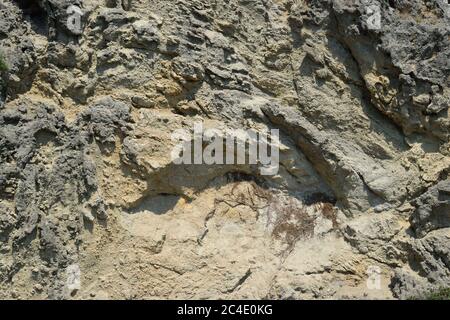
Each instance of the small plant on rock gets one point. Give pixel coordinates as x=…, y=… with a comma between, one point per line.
x=293, y=223
x=3, y=65
x=439, y=294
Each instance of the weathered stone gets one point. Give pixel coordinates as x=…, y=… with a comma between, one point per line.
x=432, y=209
x=92, y=204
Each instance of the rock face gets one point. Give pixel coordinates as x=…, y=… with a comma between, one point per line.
x=92, y=205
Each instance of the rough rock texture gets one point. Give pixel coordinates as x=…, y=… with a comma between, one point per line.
x=91, y=205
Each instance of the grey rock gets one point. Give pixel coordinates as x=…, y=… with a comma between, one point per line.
x=432, y=209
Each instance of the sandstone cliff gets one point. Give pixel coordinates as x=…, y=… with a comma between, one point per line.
x=91, y=205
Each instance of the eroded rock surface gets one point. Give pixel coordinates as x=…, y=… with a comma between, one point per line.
x=92, y=205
